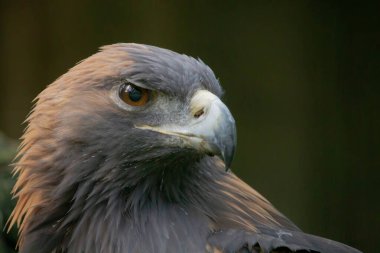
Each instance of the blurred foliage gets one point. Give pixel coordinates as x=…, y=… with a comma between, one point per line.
x=7, y=153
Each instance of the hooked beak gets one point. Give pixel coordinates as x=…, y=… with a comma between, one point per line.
x=211, y=129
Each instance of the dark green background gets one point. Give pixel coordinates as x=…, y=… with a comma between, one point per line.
x=301, y=78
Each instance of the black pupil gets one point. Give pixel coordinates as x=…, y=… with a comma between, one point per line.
x=134, y=93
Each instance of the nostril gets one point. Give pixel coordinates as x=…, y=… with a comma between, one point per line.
x=198, y=113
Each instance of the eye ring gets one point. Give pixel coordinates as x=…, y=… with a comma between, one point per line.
x=134, y=95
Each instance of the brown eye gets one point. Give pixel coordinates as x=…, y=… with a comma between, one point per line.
x=133, y=95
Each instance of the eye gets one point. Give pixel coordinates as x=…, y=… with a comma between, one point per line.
x=134, y=95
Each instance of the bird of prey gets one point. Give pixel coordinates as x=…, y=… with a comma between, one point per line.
x=129, y=152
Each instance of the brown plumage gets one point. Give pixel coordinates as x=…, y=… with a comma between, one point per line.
x=96, y=174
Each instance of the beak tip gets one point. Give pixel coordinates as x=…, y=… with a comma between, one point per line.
x=228, y=164
x=227, y=159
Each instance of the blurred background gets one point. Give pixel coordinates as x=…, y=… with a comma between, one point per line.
x=301, y=78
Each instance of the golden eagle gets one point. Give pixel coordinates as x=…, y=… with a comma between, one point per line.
x=129, y=152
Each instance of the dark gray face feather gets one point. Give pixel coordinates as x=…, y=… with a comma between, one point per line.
x=98, y=175
x=169, y=72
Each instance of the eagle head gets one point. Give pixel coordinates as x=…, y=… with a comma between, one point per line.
x=129, y=152
x=130, y=122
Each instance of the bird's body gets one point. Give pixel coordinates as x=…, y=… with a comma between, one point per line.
x=126, y=153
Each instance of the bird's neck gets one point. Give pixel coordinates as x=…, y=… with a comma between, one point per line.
x=163, y=204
